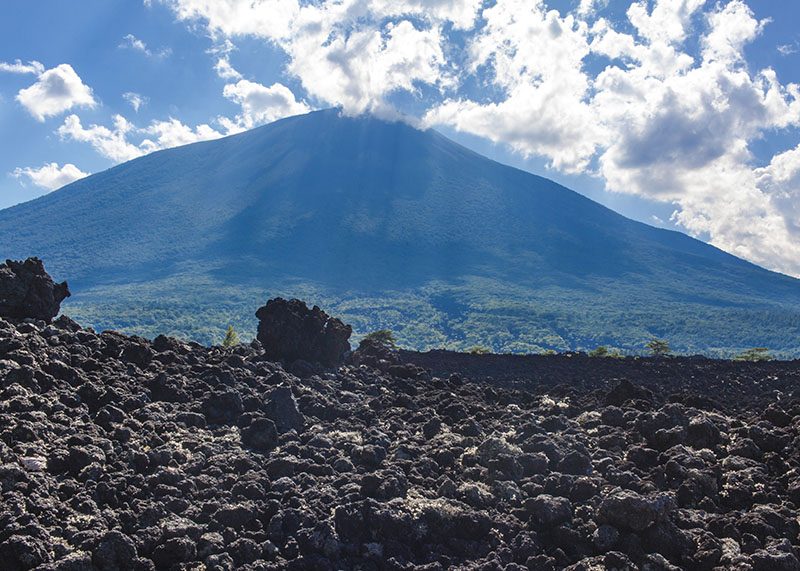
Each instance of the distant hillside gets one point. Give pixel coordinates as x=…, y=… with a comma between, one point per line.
x=392, y=227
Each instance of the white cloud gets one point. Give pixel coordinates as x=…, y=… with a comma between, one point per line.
x=667, y=22
x=125, y=141
x=173, y=133
x=50, y=176
x=544, y=111
x=684, y=137
x=780, y=182
x=590, y=7
x=731, y=28
x=111, y=143
x=461, y=13
x=348, y=53
x=359, y=68
x=55, y=91
x=135, y=100
x=260, y=104
x=131, y=42
x=33, y=67
x=268, y=19
x=225, y=70
x=222, y=51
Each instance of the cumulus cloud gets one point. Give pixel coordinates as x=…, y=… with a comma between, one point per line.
x=260, y=104
x=349, y=53
x=56, y=90
x=544, y=111
x=359, y=68
x=33, y=67
x=131, y=42
x=135, y=100
x=112, y=143
x=683, y=136
x=124, y=141
x=173, y=133
x=50, y=176
x=263, y=18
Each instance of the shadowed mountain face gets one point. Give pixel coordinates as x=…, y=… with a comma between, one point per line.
x=390, y=226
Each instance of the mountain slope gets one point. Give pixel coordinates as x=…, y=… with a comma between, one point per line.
x=394, y=227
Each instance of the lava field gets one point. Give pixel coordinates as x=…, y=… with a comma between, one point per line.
x=121, y=453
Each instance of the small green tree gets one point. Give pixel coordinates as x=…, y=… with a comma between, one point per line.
x=755, y=354
x=231, y=338
x=658, y=347
x=383, y=337
x=601, y=351
x=479, y=350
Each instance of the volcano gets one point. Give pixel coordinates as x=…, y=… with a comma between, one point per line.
x=390, y=227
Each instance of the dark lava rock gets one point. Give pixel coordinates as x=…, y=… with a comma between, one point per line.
x=27, y=291
x=780, y=556
x=548, y=510
x=575, y=463
x=373, y=353
x=625, y=391
x=702, y=433
x=629, y=510
x=281, y=407
x=115, y=551
x=223, y=407
x=260, y=434
x=290, y=331
x=20, y=553
x=174, y=551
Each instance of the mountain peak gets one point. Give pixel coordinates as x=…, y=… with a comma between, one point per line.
x=360, y=211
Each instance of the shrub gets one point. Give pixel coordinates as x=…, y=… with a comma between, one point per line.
x=601, y=351
x=479, y=350
x=383, y=337
x=231, y=338
x=755, y=354
x=604, y=352
x=658, y=347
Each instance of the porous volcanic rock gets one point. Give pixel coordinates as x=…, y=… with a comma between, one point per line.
x=28, y=292
x=375, y=354
x=121, y=453
x=290, y=331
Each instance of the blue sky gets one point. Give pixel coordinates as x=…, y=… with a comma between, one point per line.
x=679, y=113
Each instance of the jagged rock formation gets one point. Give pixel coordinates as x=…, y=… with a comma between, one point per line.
x=290, y=331
x=121, y=453
x=27, y=291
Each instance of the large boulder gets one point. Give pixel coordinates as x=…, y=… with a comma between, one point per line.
x=629, y=510
x=27, y=291
x=373, y=353
x=290, y=331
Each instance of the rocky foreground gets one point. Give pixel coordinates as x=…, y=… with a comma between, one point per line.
x=121, y=453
